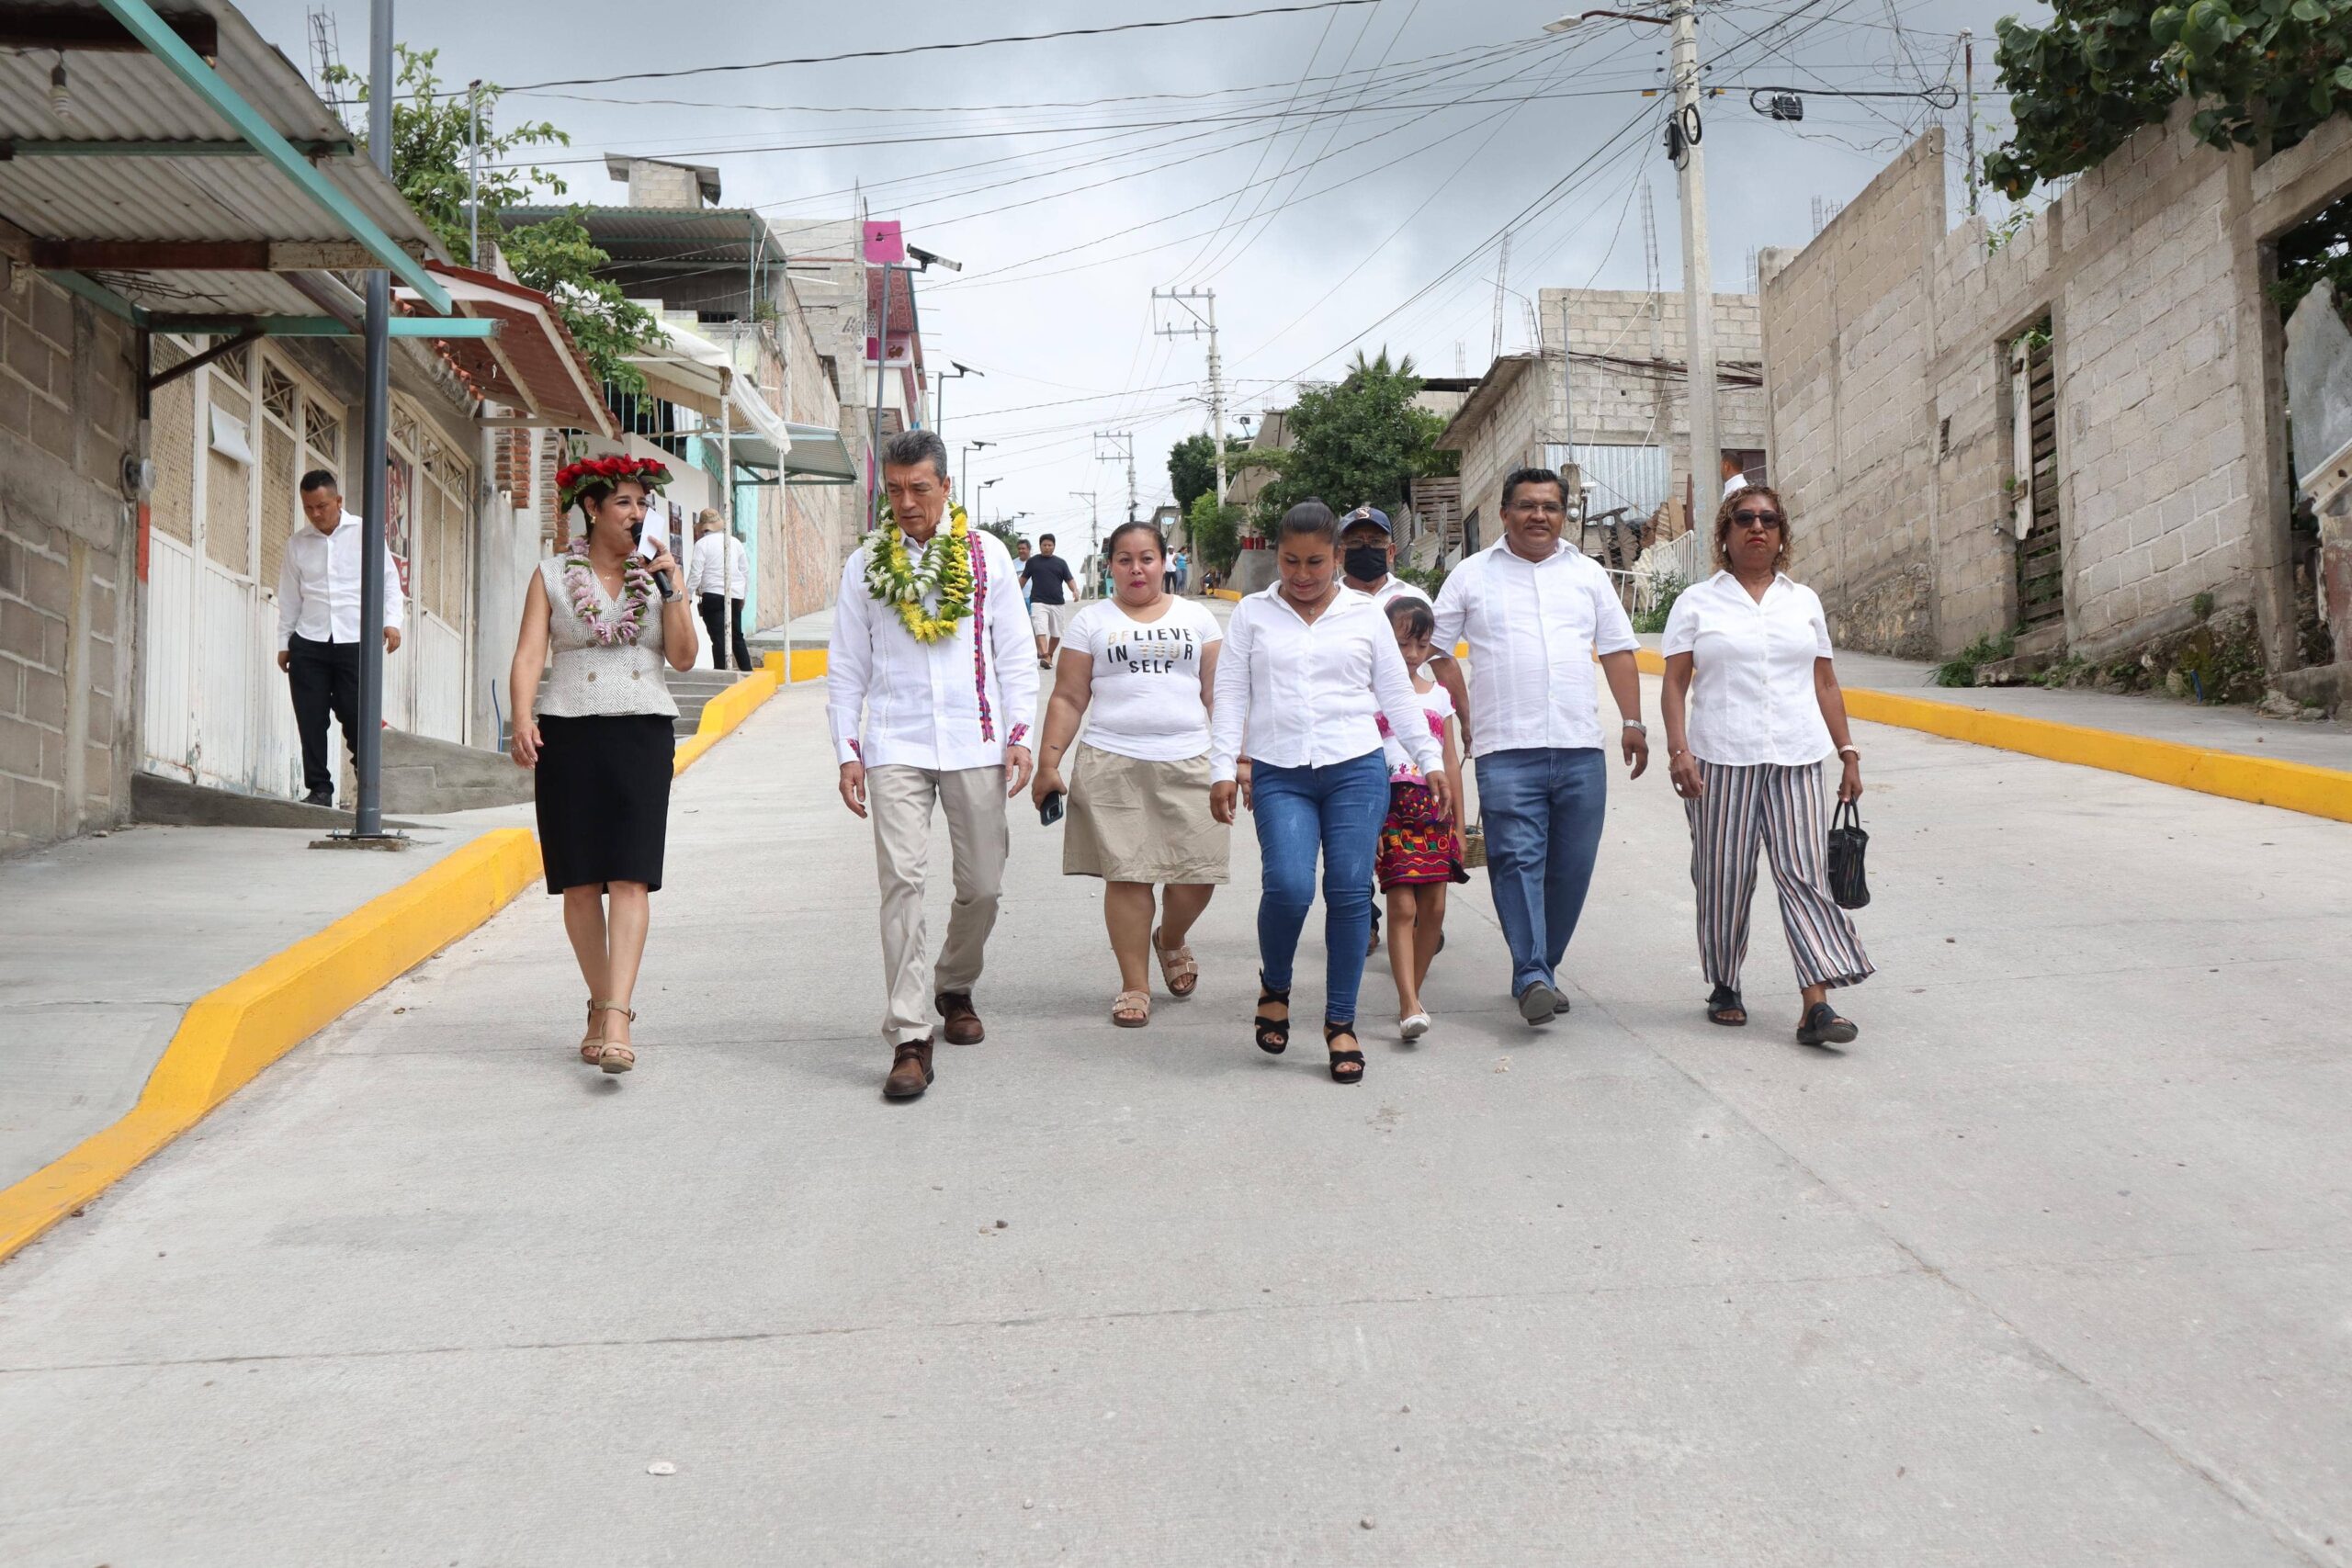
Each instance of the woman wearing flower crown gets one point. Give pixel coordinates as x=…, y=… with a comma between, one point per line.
x=600, y=738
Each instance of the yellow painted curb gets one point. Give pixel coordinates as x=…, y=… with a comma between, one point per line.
x=229, y=1035
x=1232, y=594
x=2261, y=781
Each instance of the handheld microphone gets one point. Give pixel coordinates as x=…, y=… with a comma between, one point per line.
x=661, y=579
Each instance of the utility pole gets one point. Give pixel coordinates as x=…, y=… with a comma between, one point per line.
x=1204, y=325
x=473, y=173
x=1095, y=536
x=1683, y=137
x=1968, y=131
x=367, y=817
x=1123, y=446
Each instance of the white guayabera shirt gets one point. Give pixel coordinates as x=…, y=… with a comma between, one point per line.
x=317, y=585
x=945, y=706
x=1532, y=628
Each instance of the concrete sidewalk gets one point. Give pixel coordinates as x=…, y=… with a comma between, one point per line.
x=2048, y=1269
x=105, y=942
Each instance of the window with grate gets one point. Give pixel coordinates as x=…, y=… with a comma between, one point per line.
x=323, y=435
x=278, y=394
x=281, y=511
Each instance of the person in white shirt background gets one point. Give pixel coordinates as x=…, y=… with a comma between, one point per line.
x=1536, y=612
x=318, y=625
x=929, y=696
x=1307, y=665
x=1751, y=706
x=718, y=577
x=1139, y=668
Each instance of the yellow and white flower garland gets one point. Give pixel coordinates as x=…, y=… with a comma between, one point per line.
x=903, y=580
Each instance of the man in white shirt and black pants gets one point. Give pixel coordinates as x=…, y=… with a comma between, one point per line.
x=318, y=625
x=720, y=576
x=1535, y=611
x=941, y=719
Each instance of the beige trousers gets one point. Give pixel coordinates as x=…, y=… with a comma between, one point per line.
x=899, y=799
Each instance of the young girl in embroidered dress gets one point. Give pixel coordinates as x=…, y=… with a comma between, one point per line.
x=1420, y=852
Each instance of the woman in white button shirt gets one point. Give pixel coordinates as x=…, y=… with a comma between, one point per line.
x=1307, y=664
x=1139, y=668
x=1752, y=707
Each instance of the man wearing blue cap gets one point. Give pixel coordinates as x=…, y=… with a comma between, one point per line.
x=1367, y=552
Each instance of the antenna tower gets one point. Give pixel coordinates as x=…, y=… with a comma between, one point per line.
x=1502, y=271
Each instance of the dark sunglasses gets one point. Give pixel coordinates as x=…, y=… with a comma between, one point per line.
x=1757, y=519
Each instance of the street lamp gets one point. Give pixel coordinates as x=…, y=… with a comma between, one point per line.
x=965, y=470
x=984, y=490
x=939, y=412
x=1698, y=281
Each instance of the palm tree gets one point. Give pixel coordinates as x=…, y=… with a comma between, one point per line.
x=1380, y=365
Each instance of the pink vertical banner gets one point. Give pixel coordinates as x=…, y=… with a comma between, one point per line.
x=886, y=243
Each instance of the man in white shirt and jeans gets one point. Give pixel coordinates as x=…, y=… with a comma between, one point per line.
x=1535, y=611
x=943, y=718
x=318, y=625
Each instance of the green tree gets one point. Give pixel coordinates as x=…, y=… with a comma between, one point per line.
x=2261, y=72
x=1216, y=530
x=1358, y=442
x=1191, y=466
x=429, y=164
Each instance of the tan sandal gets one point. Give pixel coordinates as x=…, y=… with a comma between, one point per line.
x=1177, y=968
x=592, y=1044
x=1131, y=1009
x=610, y=1055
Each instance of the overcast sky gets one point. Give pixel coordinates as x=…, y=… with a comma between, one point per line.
x=1321, y=171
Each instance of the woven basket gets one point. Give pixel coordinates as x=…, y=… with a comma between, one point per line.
x=1473, y=842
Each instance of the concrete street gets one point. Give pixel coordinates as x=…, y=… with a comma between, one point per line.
x=2050, y=1268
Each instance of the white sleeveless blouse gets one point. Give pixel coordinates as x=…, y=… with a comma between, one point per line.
x=587, y=678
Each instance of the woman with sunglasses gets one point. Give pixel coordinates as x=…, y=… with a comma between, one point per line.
x=1752, y=708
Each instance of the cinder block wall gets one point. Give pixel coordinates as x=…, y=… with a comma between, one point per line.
x=1847, y=342
x=1628, y=405
x=68, y=562
x=1887, y=381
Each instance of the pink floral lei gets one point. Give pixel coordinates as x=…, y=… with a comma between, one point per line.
x=626, y=623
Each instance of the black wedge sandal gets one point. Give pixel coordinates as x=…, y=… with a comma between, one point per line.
x=1724, y=1007
x=1273, y=1033
x=1346, y=1066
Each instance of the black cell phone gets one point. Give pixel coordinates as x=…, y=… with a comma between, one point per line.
x=1051, y=812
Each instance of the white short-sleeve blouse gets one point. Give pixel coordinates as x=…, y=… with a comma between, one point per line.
x=1752, y=696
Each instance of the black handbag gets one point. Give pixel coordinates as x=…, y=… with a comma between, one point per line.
x=1846, y=842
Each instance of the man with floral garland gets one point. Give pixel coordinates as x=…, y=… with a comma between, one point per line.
x=931, y=694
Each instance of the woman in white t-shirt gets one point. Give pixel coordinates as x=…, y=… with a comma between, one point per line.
x=1140, y=668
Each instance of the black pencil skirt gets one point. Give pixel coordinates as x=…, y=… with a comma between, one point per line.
x=603, y=793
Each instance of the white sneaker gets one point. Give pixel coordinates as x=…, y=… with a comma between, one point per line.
x=1414, y=1026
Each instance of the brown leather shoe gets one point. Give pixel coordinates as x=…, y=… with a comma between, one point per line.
x=909, y=1071
x=963, y=1026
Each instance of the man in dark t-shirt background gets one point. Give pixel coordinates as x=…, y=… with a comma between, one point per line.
x=1051, y=586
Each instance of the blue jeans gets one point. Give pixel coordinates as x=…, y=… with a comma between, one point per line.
x=1542, y=807
x=1338, y=811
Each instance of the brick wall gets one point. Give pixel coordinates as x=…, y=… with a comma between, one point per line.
x=68, y=414
x=1888, y=388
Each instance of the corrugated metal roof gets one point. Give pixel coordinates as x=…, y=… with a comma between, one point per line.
x=717, y=234
x=132, y=95
x=210, y=293
x=1631, y=477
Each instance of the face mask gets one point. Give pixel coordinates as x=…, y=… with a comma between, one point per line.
x=1366, y=563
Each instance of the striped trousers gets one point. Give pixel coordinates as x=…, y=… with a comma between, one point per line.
x=1785, y=809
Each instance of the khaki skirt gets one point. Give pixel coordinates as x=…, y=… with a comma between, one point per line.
x=1136, y=821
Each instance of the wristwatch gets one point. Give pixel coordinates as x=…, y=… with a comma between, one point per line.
x=1638, y=724
x=1850, y=751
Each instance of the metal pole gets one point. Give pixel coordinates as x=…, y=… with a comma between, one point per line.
x=1216, y=401
x=881, y=357
x=722, y=648
x=1698, y=279
x=473, y=176
x=369, y=762
x=1968, y=132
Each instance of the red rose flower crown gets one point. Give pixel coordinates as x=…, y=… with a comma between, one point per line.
x=575, y=478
